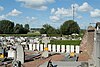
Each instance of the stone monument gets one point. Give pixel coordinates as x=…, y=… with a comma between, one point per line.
x=20, y=54
x=45, y=40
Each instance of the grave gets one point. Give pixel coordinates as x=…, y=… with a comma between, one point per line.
x=20, y=54
x=49, y=47
x=72, y=48
x=11, y=53
x=54, y=47
x=30, y=47
x=37, y=45
x=62, y=48
x=34, y=46
x=68, y=48
x=41, y=47
x=77, y=49
x=45, y=40
x=58, y=48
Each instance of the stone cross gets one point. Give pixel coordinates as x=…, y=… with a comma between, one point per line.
x=45, y=40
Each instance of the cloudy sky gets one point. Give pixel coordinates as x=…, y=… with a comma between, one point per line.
x=53, y=12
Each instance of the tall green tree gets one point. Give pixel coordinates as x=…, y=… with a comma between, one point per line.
x=6, y=26
x=69, y=27
x=47, y=29
x=26, y=26
x=18, y=29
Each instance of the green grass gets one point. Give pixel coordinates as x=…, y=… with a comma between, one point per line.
x=23, y=35
x=65, y=42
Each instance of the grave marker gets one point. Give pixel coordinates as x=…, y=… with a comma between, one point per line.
x=62, y=48
x=67, y=48
x=58, y=48
x=54, y=48
x=72, y=48
x=49, y=47
x=77, y=49
x=20, y=54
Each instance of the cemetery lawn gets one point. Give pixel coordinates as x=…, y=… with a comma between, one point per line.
x=23, y=35
x=65, y=42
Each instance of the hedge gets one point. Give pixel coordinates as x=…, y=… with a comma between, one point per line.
x=17, y=35
x=65, y=42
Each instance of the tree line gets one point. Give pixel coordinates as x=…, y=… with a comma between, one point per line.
x=8, y=27
x=67, y=28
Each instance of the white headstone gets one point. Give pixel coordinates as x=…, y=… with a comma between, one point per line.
x=49, y=47
x=41, y=47
x=20, y=54
x=58, y=48
x=34, y=47
x=5, y=43
x=37, y=46
x=10, y=55
x=30, y=46
x=77, y=49
x=19, y=40
x=54, y=48
x=67, y=48
x=14, y=53
x=36, y=40
x=72, y=48
x=31, y=41
x=62, y=48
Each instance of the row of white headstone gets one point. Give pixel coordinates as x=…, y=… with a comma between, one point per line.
x=56, y=48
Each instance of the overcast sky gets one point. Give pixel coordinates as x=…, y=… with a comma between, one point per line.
x=53, y=12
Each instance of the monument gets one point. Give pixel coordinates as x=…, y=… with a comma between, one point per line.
x=20, y=54
x=45, y=40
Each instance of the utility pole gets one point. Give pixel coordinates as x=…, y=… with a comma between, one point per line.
x=73, y=8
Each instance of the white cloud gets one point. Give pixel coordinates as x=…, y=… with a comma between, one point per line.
x=79, y=17
x=95, y=13
x=52, y=10
x=2, y=17
x=36, y=4
x=85, y=7
x=1, y=8
x=60, y=13
x=31, y=19
x=64, y=12
x=14, y=12
x=54, y=18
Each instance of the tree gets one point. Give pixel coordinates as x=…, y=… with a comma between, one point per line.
x=26, y=26
x=6, y=26
x=47, y=29
x=69, y=27
x=18, y=29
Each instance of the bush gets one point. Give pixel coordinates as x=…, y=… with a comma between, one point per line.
x=65, y=42
x=23, y=35
x=55, y=35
